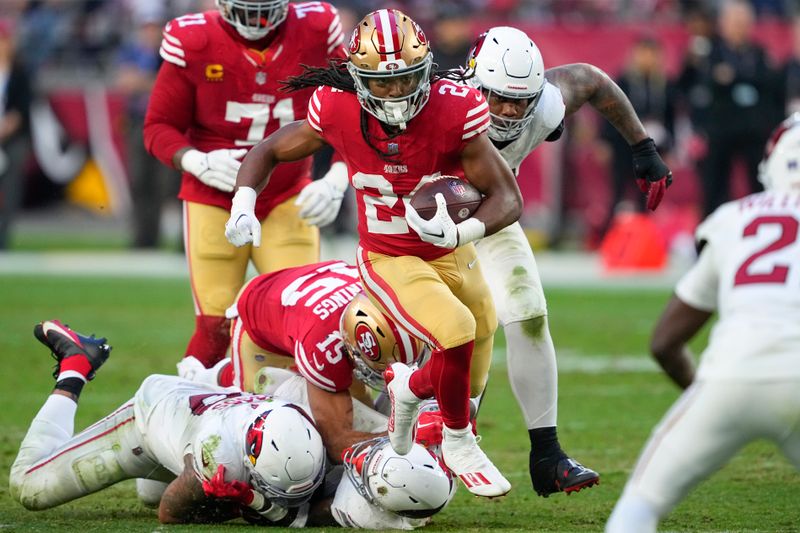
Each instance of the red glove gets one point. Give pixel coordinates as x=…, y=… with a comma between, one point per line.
x=235, y=490
x=429, y=429
x=652, y=175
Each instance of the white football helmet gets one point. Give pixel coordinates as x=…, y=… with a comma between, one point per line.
x=373, y=342
x=508, y=64
x=413, y=485
x=780, y=168
x=284, y=455
x=253, y=19
x=385, y=47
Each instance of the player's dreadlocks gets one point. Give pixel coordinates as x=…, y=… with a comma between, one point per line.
x=337, y=76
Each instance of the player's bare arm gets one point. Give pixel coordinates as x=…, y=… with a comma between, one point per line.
x=184, y=501
x=290, y=143
x=580, y=83
x=678, y=324
x=333, y=414
x=486, y=169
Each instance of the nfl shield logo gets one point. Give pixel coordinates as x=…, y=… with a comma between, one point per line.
x=261, y=78
x=457, y=187
x=393, y=148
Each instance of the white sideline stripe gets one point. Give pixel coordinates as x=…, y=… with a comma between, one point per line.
x=574, y=363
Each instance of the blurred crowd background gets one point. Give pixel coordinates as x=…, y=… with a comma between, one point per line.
x=709, y=83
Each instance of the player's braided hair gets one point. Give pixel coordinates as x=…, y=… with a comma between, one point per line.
x=336, y=75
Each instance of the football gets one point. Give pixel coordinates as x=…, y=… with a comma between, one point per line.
x=461, y=196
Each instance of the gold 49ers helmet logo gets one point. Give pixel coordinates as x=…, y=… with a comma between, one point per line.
x=367, y=342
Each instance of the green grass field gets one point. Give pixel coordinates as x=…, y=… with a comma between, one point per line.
x=609, y=400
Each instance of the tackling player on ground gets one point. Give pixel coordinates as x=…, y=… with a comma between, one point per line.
x=747, y=386
x=216, y=95
x=209, y=443
x=397, y=126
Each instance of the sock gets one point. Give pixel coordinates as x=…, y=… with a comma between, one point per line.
x=420, y=383
x=225, y=376
x=59, y=411
x=450, y=378
x=544, y=443
x=75, y=366
x=210, y=340
x=633, y=514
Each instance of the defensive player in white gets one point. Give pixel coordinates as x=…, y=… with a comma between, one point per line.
x=528, y=105
x=747, y=385
x=224, y=453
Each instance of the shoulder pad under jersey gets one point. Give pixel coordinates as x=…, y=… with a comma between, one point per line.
x=321, y=18
x=551, y=107
x=183, y=36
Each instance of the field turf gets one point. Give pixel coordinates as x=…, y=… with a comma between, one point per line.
x=610, y=397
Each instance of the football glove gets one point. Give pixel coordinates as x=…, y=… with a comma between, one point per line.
x=429, y=429
x=321, y=200
x=652, y=175
x=243, y=226
x=440, y=230
x=243, y=494
x=216, y=169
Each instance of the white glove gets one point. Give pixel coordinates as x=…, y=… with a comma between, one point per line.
x=321, y=200
x=243, y=226
x=440, y=230
x=216, y=169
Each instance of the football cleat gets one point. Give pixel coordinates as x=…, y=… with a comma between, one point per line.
x=64, y=343
x=462, y=455
x=560, y=474
x=403, y=407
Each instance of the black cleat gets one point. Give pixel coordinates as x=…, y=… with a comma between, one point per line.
x=64, y=343
x=560, y=474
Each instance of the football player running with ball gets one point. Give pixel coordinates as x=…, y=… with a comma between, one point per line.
x=397, y=126
x=216, y=95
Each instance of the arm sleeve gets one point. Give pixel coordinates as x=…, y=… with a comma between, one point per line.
x=169, y=113
x=699, y=287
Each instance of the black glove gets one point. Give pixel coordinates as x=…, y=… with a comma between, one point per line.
x=652, y=175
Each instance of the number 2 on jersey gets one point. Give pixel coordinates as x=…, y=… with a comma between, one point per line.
x=779, y=273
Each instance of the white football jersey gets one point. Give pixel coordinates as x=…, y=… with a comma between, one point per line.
x=177, y=416
x=548, y=115
x=749, y=271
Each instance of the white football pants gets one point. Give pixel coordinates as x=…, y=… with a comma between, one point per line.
x=702, y=431
x=54, y=467
x=510, y=270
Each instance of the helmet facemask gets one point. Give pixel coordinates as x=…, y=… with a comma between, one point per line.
x=390, y=63
x=505, y=128
x=254, y=20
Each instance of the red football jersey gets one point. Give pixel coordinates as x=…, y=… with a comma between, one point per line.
x=431, y=145
x=213, y=91
x=296, y=312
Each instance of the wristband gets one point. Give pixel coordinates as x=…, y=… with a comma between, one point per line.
x=470, y=230
x=244, y=200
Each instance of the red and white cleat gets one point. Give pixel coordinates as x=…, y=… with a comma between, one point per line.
x=464, y=457
x=404, y=407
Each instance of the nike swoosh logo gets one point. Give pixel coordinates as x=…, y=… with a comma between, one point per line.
x=471, y=264
x=420, y=426
x=439, y=235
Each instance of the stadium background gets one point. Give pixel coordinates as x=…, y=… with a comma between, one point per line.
x=69, y=258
